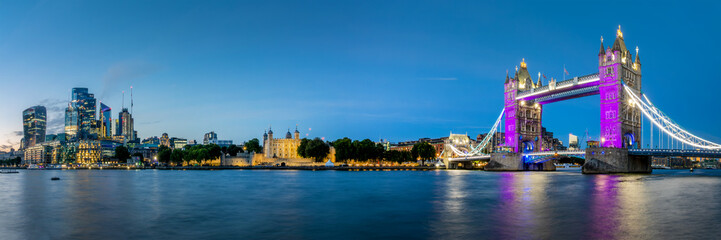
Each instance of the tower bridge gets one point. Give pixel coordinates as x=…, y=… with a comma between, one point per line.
x=623, y=107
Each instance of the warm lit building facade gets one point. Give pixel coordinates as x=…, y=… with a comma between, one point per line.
x=178, y=143
x=88, y=152
x=44, y=153
x=165, y=140
x=281, y=147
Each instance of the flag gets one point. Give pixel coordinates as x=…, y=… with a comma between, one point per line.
x=544, y=76
x=564, y=70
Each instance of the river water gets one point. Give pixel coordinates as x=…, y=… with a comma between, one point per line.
x=280, y=204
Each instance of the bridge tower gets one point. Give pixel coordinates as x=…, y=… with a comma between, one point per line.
x=523, y=119
x=620, y=120
x=522, y=125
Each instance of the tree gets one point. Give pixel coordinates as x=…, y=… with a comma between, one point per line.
x=316, y=149
x=189, y=155
x=176, y=156
x=414, y=152
x=202, y=155
x=301, y=148
x=365, y=150
x=234, y=150
x=214, y=151
x=122, y=154
x=398, y=156
x=253, y=146
x=424, y=151
x=164, y=154
x=343, y=149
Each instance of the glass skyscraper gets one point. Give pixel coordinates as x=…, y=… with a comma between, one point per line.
x=105, y=120
x=80, y=115
x=34, y=125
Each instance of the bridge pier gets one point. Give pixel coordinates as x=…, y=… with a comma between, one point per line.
x=614, y=160
x=511, y=161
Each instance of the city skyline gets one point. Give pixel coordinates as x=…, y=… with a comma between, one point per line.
x=433, y=68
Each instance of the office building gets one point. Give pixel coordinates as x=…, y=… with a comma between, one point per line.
x=209, y=138
x=105, y=121
x=80, y=115
x=34, y=125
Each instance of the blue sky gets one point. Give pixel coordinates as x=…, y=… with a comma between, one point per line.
x=397, y=70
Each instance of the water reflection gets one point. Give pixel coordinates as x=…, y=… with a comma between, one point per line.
x=382, y=205
x=604, y=207
x=454, y=220
x=523, y=208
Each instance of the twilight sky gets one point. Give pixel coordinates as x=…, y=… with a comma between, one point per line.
x=396, y=70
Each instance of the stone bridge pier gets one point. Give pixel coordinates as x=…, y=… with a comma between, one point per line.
x=512, y=161
x=614, y=160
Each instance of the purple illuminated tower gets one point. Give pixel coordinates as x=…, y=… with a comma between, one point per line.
x=509, y=104
x=620, y=119
x=523, y=118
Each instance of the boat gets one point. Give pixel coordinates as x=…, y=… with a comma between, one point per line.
x=35, y=167
x=567, y=166
x=8, y=171
x=54, y=178
x=660, y=167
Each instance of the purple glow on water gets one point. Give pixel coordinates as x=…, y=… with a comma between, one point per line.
x=604, y=207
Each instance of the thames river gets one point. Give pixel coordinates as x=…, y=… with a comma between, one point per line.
x=288, y=204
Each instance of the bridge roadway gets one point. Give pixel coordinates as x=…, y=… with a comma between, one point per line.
x=572, y=88
x=634, y=152
x=675, y=153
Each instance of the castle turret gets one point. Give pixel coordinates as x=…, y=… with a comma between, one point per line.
x=297, y=134
x=288, y=135
x=524, y=78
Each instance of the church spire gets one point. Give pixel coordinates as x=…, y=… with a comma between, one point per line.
x=603, y=50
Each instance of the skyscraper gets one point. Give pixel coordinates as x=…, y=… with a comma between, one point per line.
x=106, y=120
x=125, y=120
x=80, y=114
x=34, y=125
x=71, y=122
x=209, y=138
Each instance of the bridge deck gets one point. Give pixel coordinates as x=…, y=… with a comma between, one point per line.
x=675, y=153
x=563, y=90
